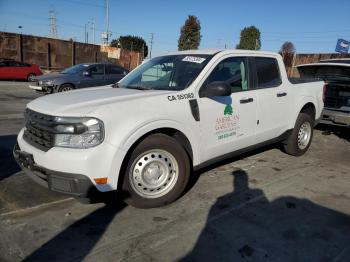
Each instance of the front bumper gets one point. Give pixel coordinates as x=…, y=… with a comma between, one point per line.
x=72, y=184
x=104, y=160
x=333, y=117
x=45, y=89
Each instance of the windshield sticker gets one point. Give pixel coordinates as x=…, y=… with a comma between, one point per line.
x=86, y=65
x=194, y=59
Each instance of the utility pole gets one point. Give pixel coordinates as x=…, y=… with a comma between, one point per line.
x=53, y=24
x=107, y=21
x=151, y=45
x=93, y=30
x=85, y=33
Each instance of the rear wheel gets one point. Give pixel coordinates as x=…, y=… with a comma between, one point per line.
x=65, y=88
x=30, y=77
x=157, y=172
x=300, y=139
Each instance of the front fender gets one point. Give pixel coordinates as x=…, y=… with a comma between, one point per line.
x=139, y=131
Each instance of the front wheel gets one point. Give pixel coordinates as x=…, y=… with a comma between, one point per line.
x=65, y=88
x=300, y=139
x=157, y=172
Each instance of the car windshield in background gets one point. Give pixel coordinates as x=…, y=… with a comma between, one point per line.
x=75, y=69
x=173, y=72
x=325, y=72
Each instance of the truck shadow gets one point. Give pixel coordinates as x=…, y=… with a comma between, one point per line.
x=246, y=225
x=339, y=131
x=8, y=165
x=76, y=241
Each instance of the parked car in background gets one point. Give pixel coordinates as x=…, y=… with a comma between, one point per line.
x=80, y=76
x=10, y=69
x=336, y=74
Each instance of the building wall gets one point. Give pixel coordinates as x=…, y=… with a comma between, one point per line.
x=56, y=54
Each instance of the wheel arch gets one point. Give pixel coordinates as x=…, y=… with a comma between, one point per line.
x=65, y=83
x=307, y=105
x=173, y=132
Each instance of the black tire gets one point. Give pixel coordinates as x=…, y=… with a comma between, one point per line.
x=30, y=77
x=168, y=145
x=65, y=88
x=292, y=145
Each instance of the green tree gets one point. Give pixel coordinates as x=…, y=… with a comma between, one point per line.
x=250, y=39
x=132, y=43
x=190, y=35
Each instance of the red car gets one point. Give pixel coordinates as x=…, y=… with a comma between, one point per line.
x=10, y=69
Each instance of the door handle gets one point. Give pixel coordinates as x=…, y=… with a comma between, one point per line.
x=246, y=100
x=281, y=94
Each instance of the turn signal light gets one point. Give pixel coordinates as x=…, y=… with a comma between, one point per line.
x=101, y=180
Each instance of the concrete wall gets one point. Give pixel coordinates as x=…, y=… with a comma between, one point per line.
x=56, y=54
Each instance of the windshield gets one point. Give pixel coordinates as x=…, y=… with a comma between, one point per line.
x=75, y=69
x=173, y=72
x=325, y=72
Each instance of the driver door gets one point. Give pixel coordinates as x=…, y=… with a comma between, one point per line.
x=228, y=123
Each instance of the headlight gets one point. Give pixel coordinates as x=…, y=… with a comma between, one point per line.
x=78, y=132
x=46, y=83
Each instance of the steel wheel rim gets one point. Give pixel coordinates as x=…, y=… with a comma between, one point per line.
x=304, y=135
x=66, y=88
x=154, y=173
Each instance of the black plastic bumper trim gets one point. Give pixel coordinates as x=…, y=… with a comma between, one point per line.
x=76, y=185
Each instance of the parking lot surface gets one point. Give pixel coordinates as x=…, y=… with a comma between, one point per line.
x=263, y=206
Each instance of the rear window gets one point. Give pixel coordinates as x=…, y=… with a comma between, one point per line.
x=267, y=72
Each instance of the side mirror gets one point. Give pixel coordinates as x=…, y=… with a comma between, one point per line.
x=86, y=73
x=216, y=88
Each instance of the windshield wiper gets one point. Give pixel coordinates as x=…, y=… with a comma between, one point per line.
x=139, y=87
x=115, y=85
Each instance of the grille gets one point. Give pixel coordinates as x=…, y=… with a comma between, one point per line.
x=39, y=130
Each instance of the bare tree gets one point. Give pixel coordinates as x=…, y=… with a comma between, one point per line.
x=287, y=51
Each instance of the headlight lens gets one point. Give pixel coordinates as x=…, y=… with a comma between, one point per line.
x=46, y=83
x=78, y=132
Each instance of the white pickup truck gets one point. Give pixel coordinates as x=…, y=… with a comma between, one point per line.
x=173, y=114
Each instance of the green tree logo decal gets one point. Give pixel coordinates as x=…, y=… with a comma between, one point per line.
x=228, y=110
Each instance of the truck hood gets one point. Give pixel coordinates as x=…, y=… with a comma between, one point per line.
x=84, y=101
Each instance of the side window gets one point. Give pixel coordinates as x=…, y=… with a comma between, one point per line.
x=96, y=70
x=267, y=71
x=114, y=70
x=233, y=71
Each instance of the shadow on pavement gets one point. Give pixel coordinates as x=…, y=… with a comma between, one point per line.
x=245, y=225
x=8, y=165
x=76, y=242
x=339, y=131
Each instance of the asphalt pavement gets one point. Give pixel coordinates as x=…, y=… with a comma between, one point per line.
x=262, y=206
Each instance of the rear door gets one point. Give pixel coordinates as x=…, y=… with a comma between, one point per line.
x=114, y=73
x=228, y=123
x=273, y=99
x=96, y=76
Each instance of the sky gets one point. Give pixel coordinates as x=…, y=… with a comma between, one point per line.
x=313, y=26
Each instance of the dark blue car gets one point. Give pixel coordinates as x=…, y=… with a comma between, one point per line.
x=79, y=76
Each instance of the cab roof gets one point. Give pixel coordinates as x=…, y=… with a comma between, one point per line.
x=221, y=51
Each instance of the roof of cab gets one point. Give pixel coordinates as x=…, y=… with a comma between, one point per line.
x=221, y=51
